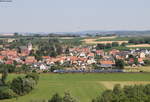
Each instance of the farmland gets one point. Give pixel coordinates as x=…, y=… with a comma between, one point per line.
x=83, y=86
x=102, y=41
x=139, y=45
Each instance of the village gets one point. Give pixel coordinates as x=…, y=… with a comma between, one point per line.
x=85, y=58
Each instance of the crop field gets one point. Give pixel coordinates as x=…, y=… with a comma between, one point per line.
x=104, y=40
x=82, y=86
x=139, y=45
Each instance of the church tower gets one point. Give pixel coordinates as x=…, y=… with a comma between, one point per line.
x=29, y=46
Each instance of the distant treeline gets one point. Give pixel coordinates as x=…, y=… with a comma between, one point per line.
x=107, y=35
x=141, y=40
x=63, y=35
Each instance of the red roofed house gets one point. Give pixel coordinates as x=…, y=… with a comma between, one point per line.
x=107, y=63
x=114, y=52
x=2, y=57
x=140, y=60
x=100, y=52
x=90, y=55
x=9, y=62
x=30, y=60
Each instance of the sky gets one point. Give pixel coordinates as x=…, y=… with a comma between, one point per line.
x=74, y=15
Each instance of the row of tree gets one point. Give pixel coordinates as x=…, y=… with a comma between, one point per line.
x=137, y=93
x=109, y=45
x=141, y=40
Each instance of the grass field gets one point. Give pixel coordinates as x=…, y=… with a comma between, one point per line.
x=83, y=86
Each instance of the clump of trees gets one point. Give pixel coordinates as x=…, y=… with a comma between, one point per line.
x=18, y=87
x=23, y=85
x=11, y=68
x=109, y=45
x=67, y=98
x=136, y=93
x=119, y=63
x=141, y=40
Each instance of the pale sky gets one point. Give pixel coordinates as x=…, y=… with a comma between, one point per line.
x=74, y=15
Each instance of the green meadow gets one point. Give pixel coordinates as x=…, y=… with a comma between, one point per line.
x=82, y=86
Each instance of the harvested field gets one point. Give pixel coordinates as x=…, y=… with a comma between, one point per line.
x=111, y=84
x=111, y=37
x=93, y=41
x=66, y=37
x=139, y=45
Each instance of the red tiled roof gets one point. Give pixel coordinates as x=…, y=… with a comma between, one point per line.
x=2, y=57
x=131, y=60
x=91, y=54
x=114, y=51
x=140, y=60
x=30, y=60
x=9, y=62
x=46, y=57
x=107, y=62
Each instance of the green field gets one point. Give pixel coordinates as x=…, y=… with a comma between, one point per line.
x=83, y=86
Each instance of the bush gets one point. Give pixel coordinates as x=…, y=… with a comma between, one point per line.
x=34, y=76
x=6, y=93
x=22, y=86
x=56, y=98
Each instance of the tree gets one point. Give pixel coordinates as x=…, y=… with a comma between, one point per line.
x=136, y=93
x=107, y=96
x=56, y=98
x=123, y=44
x=16, y=34
x=67, y=50
x=68, y=98
x=53, y=54
x=34, y=76
x=6, y=93
x=4, y=76
x=117, y=89
x=100, y=46
x=120, y=64
x=115, y=44
x=16, y=85
x=108, y=45
x=22, y=86
x=147, y=62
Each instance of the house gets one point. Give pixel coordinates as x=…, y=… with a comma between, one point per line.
x=114, y=52
x=123, y=54
x=100, y=52
x=82, y=54
x=30, y=60
x=90, y=55
x=24, y=51
x=9, y=53
x=2, y=57
x=43, y=67
x=91, y=61
x=140, y=60
x=142, y=55
x=9, y=62
x=107, y=63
